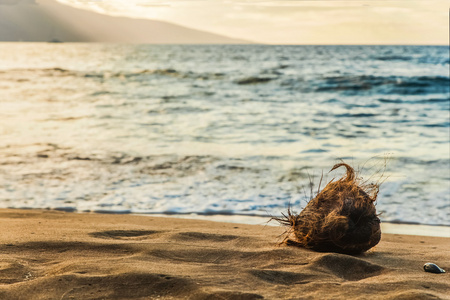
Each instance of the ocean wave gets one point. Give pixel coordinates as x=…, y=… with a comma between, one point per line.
x=393, y=58
x=46, y=71
x=385, y=85
x=158, y=72
x=178, y=110
x=419, y=101
x=107, y=74
x=131, y=74
x=254, y=80
x=444, y=124
x=190, y=129
x=356, y=115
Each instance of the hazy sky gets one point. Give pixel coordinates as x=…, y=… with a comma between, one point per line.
x=296, y=21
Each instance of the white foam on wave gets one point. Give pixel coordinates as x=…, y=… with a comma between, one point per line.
x=118, y=132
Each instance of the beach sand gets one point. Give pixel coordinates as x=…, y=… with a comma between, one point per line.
x=58, y=255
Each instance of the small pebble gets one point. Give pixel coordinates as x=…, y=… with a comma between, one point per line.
x=432, y=268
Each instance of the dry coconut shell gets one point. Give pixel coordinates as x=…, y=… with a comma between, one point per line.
x=341, y=218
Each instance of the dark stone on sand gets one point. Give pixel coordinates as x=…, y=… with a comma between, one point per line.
x=433, y=268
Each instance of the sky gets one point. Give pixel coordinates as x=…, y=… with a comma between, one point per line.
x=296, y=21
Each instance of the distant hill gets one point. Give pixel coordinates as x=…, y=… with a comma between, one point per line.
x=50, y=21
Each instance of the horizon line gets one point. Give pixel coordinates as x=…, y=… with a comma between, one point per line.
x=212, y=44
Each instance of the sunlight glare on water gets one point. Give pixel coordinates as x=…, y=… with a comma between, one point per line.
x=221, y=129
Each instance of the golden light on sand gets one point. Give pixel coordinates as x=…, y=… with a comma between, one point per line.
x=131, y=257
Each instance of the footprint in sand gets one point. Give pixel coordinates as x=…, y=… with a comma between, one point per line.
x=125, y=234
x=200, y=236
x=12, y=271
x=346, y=267
x=282, y=277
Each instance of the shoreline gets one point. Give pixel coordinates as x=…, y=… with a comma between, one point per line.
x=58, y=255
x=386, y=227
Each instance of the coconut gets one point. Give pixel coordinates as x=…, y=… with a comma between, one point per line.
x=341, y=218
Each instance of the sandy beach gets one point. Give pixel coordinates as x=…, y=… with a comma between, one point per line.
x=58, y=255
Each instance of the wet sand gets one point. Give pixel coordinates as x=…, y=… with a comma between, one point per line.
x=58, y=255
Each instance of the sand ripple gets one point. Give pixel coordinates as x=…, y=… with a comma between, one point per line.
x=56, y=255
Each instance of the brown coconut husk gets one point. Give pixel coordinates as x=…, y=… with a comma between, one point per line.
x=341, y=218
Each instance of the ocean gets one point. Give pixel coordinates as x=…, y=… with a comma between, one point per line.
x=222, y=129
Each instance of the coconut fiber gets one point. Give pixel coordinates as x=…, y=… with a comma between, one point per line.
x=341, y=218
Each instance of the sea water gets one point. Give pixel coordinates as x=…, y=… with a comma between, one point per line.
x=222, y=129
